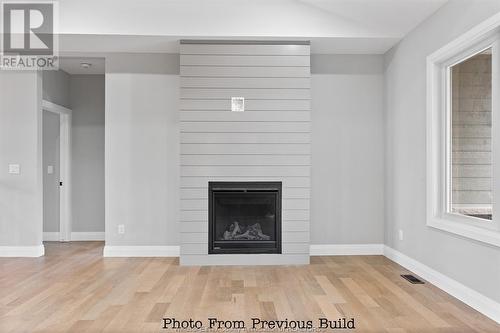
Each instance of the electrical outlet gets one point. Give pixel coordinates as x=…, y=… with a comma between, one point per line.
x=14, y=169
x=121, y=228
x=401, y=235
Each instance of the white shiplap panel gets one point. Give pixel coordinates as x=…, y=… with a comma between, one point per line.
x=194, y=238
x=295, y=237
x=246, y=148
x=194, y=204
x=202, y=193
x=250, y=104
x=295, y=248
x=244, y=259
x=295, y=226
x=270, y=141
x=202, y=216
x=288, y=182
x=245, y=137
x=296, y=215
x=284, y=116
x=201, y=238
x=296, y=204
x=192, y=160
x=254, y=171
x=297, y=193
x=243, y=82
x=202, y=204
x=202, y=249
x=189, y=248
x=248, y=60
x=256, y=93
x=246, y=127
x=194, y=216
x=245, y=71
x=198, y=227
x=245, y=49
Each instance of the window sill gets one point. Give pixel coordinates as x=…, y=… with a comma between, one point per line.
x=491, y=237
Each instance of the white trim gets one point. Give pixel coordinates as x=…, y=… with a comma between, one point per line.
x=56, y=108
x=87, y=236
x=478, y=301
x=477, y=39
x=346, y=249
x=65, y=114
x=477, y=33
x=466, y=230
x=141, y=251
x=495, y=130
x=22, y=251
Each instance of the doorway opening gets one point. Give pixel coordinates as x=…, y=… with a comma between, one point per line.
x=73, y=150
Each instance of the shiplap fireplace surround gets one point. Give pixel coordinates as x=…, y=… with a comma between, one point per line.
x=269, y=141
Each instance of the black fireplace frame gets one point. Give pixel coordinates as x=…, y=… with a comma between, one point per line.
x=215, y=187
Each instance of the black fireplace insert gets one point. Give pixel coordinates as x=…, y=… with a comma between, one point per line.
x=244, y=217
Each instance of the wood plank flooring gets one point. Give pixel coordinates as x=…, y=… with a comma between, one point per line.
x=74, y=289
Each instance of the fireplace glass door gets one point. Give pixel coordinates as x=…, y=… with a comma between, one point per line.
x=245, y=218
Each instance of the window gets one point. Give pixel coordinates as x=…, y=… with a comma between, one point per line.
x=470, y=182
x=463, y=118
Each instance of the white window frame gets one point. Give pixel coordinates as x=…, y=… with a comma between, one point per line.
x=478, y=39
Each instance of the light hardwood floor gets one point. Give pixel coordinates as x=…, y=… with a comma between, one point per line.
x=74, y=289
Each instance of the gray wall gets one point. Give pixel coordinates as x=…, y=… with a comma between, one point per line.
x=51, y=140
x=474, y=264
x=21, y=213
x=347, y=181
x=142, y=150
x=87, y=103
x=270, y=141
x=346, y=92
x=56, y=87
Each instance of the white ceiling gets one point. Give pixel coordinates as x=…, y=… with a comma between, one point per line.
x=333, y=26
x=72, y=65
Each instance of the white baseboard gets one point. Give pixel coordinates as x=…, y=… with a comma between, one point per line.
x=173, y=251
x=478, y=301
x=141, y=251
x=346, y=249
x=75, y=236
x=22, y=251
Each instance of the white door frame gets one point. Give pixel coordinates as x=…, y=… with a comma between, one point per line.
x=64, y=166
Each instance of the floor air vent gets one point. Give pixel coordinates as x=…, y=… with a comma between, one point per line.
x=413, y=279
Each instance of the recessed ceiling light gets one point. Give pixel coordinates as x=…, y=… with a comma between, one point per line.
x=85, y=65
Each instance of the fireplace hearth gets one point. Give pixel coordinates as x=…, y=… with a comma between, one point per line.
x=244, y=217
